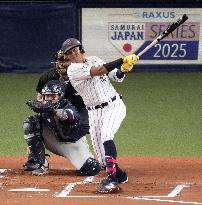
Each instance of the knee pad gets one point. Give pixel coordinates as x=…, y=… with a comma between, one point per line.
x=90, y=168
x=31, y=125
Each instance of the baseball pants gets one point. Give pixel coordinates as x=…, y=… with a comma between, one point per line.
x=77, y=152
x=104, y=123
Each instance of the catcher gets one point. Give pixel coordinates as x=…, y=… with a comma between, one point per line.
x=56, y=126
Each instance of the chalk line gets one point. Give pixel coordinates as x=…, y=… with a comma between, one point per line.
x=66, y=191
x=29, y=189
x=177, y=190
x=2, y=171
x=163, y=200
x=173, y=193
x=138, y=198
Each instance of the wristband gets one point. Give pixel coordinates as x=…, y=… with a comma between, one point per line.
x=114, y=64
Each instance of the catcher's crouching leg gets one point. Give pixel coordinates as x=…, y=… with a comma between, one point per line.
x=36, y=159
x=90, y=168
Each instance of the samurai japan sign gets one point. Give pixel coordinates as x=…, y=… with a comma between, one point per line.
x=117, y=32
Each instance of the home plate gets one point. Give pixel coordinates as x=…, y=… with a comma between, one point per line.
x=29, y=189
x=2, y=171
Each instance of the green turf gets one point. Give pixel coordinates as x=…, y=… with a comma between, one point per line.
x=15, y=90
x=164, y=113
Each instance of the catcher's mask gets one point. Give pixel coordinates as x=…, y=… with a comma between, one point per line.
x=61, y=64
x=72, y=43
x=53, y=91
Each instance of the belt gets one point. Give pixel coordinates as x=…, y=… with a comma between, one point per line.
x=101, y=105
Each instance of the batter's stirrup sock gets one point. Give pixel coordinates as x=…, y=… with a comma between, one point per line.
x=110, y=148
x=111, y=167
x=119, y=172
x=118, y=169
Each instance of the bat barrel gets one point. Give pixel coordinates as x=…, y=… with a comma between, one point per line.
x=165, y=33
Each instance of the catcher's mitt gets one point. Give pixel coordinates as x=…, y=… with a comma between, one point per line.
x=39, y=107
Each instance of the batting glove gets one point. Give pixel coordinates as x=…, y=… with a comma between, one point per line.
x=129, y=62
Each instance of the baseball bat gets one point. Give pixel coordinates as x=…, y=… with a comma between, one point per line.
x=165, y=33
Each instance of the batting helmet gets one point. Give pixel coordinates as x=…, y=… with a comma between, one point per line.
x=71, y=43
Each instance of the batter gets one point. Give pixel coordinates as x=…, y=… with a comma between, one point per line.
x=90, y=76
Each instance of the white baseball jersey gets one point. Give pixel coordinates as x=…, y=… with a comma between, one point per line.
x=104, y=121
x=96, y=90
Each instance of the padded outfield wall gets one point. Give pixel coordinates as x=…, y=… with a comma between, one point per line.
x=32, y=32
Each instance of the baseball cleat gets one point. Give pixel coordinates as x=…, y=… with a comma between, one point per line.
x=30, y=165
x=107, y=186
x=42, y=170
x=123, y=179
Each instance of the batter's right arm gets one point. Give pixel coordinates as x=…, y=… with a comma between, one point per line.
x=126, y=64
x=77, y=72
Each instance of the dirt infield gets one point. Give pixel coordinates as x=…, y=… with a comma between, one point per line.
x=152, y=181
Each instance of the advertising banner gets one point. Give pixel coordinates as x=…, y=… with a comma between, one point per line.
x=114, y=32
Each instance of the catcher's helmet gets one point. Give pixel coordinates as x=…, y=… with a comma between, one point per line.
x=71, y=43
x=54, y=87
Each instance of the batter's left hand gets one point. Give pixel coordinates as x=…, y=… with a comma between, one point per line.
x=129, y=62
